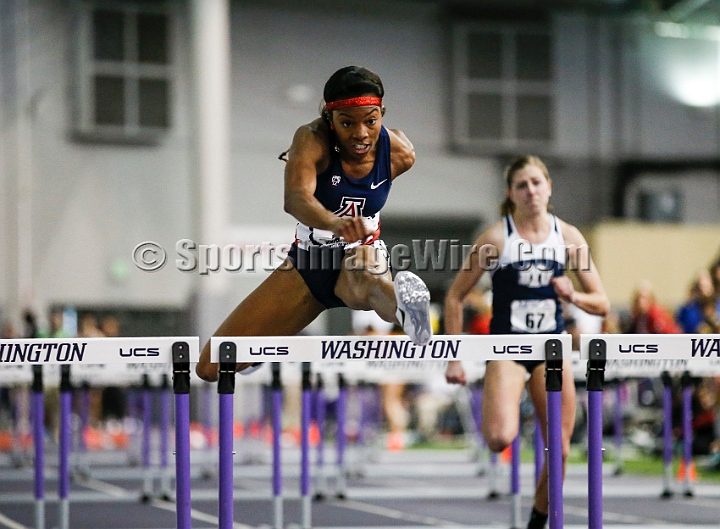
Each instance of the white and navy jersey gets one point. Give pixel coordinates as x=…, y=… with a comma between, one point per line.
x=524, y=299
x=350, y=197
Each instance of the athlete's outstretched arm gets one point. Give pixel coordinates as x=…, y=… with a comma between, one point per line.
x=593, y=298
x=306, y=154
x=402, y=152
x=486, y=248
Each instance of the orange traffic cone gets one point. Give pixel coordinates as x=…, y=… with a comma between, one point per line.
x=506, y=455
x=692, y=476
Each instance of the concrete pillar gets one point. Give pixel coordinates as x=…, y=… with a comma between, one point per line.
x=210, y=22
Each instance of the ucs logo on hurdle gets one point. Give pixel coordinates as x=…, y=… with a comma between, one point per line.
x=270, y=350
x=139, y=352
x=513, y=349
x=639, y=348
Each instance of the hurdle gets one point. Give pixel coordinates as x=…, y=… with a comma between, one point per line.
x=699, y=352
x=66, y=352
x=227, y=351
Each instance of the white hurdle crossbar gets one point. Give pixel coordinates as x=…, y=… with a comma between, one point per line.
x=227, y=351
x=388, y=348
x=698, y=353
x=37, y=352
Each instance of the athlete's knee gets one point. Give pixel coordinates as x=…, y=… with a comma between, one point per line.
x=355, y=287
x=498, y=439
x=366, y=260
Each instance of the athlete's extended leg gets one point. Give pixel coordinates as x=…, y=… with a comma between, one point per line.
x=281, y=306
x=503, y=385
x=538, y=394
x=365, y=283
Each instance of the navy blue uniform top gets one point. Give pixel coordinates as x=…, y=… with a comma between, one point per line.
x=351, y=197
x=524, y=299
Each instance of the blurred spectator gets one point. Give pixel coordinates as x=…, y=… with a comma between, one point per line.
x=703, y=417
x=88, y=327
x=57, y=329
x=710, y=323
x=478, y=308
x=30, y=327
x=715, y=275
x=647, y=315
x=8, y=331
x=113, y=400
x=110, y=326
x=691, y=314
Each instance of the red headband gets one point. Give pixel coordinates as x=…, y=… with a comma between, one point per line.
x=364, y=101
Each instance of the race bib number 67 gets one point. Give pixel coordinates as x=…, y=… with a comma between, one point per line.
x=533, y=315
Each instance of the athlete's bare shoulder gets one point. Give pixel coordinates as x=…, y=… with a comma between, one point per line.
x=570, y=233
x=311, y=143
x=494, y=235
x=402, y=152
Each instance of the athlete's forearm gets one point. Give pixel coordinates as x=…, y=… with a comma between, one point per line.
x=595, y=303
x=310, y=212
x=453, y=316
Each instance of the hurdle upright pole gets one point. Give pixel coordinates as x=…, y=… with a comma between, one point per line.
x=686, y=383
x=305, y=446
x=595, y=379
x=553, y=386
x=38, y=421
x=64, y=470
x=164, y=437
x=181, y=389
x=539, y=449
x=618, y=426
x=515, y=500
x=147, y=488
x=667, y=435
x=476, y=394
x=277, y=398
x=81, y=463
x=341, y=413
x=320, y=403
x=226, y=394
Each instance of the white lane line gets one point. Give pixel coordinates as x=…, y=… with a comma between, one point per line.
x=119, y=492
x=614, y=516
x=10, y=524
x=391, y=513
x=195, y=514
x=107, y=488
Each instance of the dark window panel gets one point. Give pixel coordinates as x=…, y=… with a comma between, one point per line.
x=109, y=100
x=484, y=55
x=152, y=38
x=108, y=35
x=154, y=103
x=485, y=115
x=534, y=118
x=533, y=54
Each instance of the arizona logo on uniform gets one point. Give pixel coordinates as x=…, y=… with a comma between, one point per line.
x=351, y=207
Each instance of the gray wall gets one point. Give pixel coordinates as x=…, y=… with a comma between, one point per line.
x=94, y=203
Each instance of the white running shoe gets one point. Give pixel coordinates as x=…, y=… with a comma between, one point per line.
x=413, y=302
